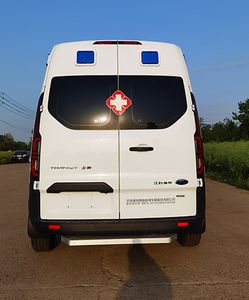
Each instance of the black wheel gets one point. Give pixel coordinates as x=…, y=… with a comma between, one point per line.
x=189, y=239
x=43, y=243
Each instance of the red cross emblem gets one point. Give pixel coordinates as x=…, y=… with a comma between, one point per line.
x=118, y=102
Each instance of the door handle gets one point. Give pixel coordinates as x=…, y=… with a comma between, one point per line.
x=141, y=148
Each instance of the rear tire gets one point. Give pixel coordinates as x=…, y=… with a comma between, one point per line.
x=43, y=243
x=189, y=239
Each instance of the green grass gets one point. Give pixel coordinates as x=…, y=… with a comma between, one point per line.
x=228, y=162
x=5, y=157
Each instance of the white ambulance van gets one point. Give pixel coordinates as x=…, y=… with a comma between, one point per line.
x=117, y=153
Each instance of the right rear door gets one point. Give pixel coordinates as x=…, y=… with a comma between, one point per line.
x=156, y=140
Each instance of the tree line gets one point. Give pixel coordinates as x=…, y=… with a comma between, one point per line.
x=230, y=129
x=7, y=142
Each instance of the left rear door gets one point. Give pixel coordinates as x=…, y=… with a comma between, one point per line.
x=79, y=147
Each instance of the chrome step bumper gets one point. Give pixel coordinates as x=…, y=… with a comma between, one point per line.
x=122, y=240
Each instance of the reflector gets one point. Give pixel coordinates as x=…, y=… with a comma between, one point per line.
x=35, y=156
x=54, y=227
x=182, y=224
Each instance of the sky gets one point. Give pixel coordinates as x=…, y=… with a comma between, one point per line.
x=213, y=35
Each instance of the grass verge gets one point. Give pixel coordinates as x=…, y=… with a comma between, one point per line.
x=228, y=162
x=5, y=157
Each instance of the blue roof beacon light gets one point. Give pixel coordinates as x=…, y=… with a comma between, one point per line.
x=85, y=57
x=149, y=58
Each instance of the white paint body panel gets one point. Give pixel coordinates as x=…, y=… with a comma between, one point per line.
x=173, y=156
x=166, y=163
x=77, y=148
x=132, y=175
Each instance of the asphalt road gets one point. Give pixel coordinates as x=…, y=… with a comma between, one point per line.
x=217, y=269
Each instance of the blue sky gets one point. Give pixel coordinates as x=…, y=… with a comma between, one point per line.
x=213, y=35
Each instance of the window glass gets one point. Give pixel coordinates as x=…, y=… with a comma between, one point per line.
x=78, y=102
x=157, y=101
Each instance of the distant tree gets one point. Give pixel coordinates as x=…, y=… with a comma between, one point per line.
x=29, y=143
x=232, y=131
x=218, y=132
x=227, y=130
x=7, y=142
x=21, y=146
x=243, y=118
x=206, y=131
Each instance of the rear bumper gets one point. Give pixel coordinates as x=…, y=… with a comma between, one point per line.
x=40, y=227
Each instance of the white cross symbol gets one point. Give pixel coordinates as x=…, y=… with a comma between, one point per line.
x=118, y=102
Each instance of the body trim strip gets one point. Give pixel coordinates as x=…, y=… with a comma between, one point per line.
x=60, y=187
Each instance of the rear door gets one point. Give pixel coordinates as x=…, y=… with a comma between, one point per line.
x=79, y=147
x=156, y=137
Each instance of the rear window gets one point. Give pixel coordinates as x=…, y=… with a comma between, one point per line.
x=157, y=101
x=78, y=102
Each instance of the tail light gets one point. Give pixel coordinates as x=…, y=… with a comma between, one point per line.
x=54, y=227
x=182, y=224
x=36, y=143
x=105, y=43
x=199, y=155
x=35, y=157
x=129, y=43
x=117, y=42
x=198, y=142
